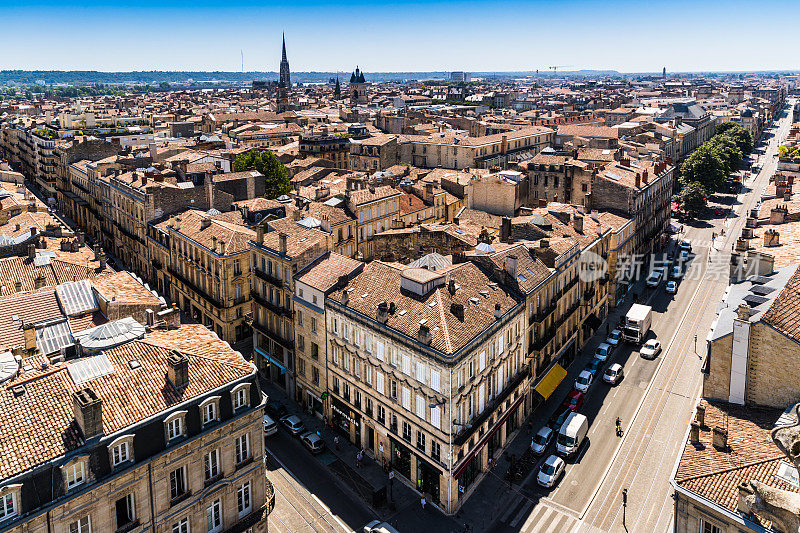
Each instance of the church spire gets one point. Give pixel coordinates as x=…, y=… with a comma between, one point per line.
x=283, y=56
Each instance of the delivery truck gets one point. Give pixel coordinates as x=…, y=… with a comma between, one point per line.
x=571, y=435
x=637, y=323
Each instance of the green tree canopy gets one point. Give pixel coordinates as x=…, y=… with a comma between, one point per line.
x=693, y=198
x=728, y=151
x=736, y=132
x=704, y=166
x=267, y=163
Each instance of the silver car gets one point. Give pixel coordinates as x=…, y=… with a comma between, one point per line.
x=614, y=374
x=542, y=440
x=293, y=424
x=313, y=442
x=551, y=471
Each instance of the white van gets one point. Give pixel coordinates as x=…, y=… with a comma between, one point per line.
x=571, y=435
x=270, y=426
x=376, y=526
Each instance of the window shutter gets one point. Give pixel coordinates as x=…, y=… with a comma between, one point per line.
x=420, y=407
x=481, y=361
x=406, y=398
x=379, y=382
x=421, y=372
x=436, y=417
x=435, y=383
x=379, y=350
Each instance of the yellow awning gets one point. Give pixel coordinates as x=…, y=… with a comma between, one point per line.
x=551, y=381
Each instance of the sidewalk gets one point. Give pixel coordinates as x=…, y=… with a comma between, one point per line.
x=492, y=493
x=403, y=510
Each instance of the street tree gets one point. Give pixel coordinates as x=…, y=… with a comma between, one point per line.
x=264, y=161
x=693, y=198
x=736, y=132
x=704, y=166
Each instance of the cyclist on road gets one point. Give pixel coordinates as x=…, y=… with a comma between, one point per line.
x=619, y=427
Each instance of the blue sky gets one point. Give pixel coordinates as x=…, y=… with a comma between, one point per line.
x=475, y=35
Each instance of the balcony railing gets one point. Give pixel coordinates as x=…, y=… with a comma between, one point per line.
x=277, y=309
x=269, y=278
x=545, y=339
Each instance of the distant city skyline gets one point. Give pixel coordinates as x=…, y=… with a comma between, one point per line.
x=421, y=35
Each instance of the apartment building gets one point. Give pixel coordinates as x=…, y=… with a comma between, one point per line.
x=639, y=189
x=426, y=371
x=158, y=434
x=334, y=148
x=311, y=286
x=375, y=209
x=280, y=250
x=373, y=154
x=457, y=152
x=200, y=260
x=558, y=177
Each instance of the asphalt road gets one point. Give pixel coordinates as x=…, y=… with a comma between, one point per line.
x=308, y=497
x=655, y=400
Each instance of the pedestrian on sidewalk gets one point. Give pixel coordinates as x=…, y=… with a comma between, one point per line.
x=336, y=441
x=359, y=456
x=490, y=462
x=422, y=502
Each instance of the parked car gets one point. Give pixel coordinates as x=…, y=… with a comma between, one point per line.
x=653, y=279
x=684, y=255
x=558, y=418
x=603, y=351
x=594, y=365
x=293, y=424
x=541, y=441
x=614, y=374
x=313, y=442
x=686, y=244
x=276, y=409
x=676, y=272
x=650, y=349
x=671, y=287
x=584, y=381
x=376, y=526
x=614, y=337
x=270, y=426
x=550, y=471
x=574, y=400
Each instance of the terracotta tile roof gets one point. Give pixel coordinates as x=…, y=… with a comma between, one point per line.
x=410, y=203
x=581, y=130
x=299, y=239
x=228, y=228
x=39, y=424
x=784, y=313
x=121, y=287
x=24, y=271
x=28, y=308
x=751, y=455
x=364, y=196
x=324, y=273
x=380, y=282
x=788, y=251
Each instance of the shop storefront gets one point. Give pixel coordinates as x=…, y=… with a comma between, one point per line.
x=347, y=421
x=467, y=473
x=401, y=459
x=428, y=480
x=314, y=403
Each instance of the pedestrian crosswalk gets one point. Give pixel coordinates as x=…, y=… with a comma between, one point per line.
x=529, y=516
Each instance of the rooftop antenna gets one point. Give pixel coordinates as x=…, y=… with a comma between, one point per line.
x=242, y=51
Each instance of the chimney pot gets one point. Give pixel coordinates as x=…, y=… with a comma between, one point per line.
x=498, y=312
x=88, y=410
x=700, y=416
x=178, y=369
x=282, y=242
x=694, y=433
x=720, y=438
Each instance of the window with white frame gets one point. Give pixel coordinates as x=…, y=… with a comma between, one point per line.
x=173, y=425
x=421, y=372
x=125, y=511
x=211, y=464
x=214, y=516
x=406, y=398
x=81, y=525
x=241, y=396
x=436, y=381
x=209, y=410
x=74, y=474
x=406, y=364
x=242, y=448
x=181, y=526
x=9, y=502
x=243, y=499
x=121, y=451
x=436, y=417
x=177, y=483
x=420, y=407
x=709, y=527
x=379, y=382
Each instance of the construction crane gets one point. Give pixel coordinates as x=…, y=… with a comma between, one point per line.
x=555, y=68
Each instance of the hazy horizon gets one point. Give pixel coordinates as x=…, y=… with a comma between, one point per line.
x=414, y=36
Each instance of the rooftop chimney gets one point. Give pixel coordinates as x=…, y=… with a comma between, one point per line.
x=282, y=242
x=88, y=410
x=205, y=223
x=694, y=433
x=720, y=438
x=457, y=310
x=577, y=223
x=451, y=287
x=771, y=238
x=150, y=317
x=31, y=252
x=700, y=415
x=511, y=266
x=638, y=180
x=178, y=369
x=497, y=311
x=260, y=234
x=345, y=298
x=29, y=333
x=213, y=243
x=383, y=312
x=424, y=334
x=505, y=229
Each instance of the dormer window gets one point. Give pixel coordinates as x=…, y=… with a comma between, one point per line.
x=174, y=425
x=121, y=450
x=74, y=473
x=210, y=410
x=241, y=396
x=9, y=501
